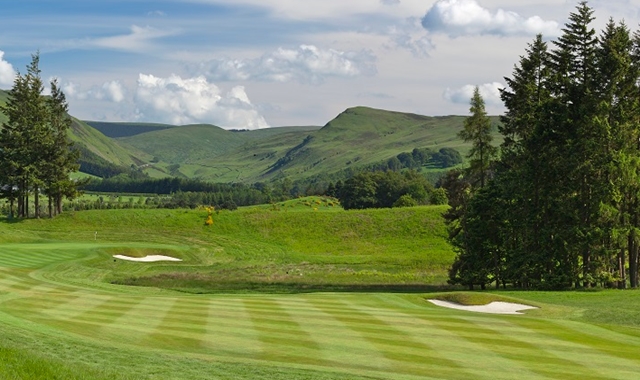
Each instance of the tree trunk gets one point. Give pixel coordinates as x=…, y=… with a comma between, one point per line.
x=36, y=202
x=59, y=204
x=20, y=212
x=50, y=207
x=26, y=200
x=586, y=267
x=633, y=260
x=622, y=283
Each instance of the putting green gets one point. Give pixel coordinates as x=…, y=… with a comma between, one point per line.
x=390, y=336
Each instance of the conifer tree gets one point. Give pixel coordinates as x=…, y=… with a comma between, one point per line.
x=477, y=130
x=35, y=154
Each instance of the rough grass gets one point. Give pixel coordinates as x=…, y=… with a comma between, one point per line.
x=293, y=247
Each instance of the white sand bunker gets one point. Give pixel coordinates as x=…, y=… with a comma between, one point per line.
x=491, y=308
x=147, y=259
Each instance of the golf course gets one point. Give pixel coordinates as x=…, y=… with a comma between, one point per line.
x=294, y=292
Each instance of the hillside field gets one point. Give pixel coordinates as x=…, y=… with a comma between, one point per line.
x=297, y=290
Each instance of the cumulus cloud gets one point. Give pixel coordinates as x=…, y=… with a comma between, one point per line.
x=412, y=37
x=113, y=91
x=181, y=101
x=490, y=93
x=467, y=17
x=306, y=64
x=7, y=72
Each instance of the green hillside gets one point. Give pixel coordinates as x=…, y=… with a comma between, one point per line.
x=357, y=137
x=185, y=144
x=192, y=143
x=102, y=146
x=126, y=129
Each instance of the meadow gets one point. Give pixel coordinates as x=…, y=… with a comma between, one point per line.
x=296, y=290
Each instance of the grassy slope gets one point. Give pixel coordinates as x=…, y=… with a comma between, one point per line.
x=250, y=161
x=58, y=314
x=115, y=130
x=358, y=136
x=101, y=145
x=191, y=143
x=186, y=143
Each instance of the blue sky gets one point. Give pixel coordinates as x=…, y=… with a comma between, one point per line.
x=259, y=63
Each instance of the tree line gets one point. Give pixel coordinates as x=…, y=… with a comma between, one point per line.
x=36, y=155
x=560, y=208
x=385, y=189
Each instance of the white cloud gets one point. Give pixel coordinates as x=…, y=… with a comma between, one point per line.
x=490, y=92
x=467, y=17
x=137, y=39
x=180, y=101
x=411, y=36
x=112, y=91
x=7, y=72
x=306, y=64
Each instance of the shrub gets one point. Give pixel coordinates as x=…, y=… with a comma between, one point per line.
x=405, y=201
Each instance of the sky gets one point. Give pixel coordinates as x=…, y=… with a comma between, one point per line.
x=248, y=64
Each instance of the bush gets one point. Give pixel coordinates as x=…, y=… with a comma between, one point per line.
x=405, y=201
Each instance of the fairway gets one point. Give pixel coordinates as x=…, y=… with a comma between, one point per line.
x=148, y=333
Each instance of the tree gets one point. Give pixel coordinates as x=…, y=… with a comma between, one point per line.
x=477, y=130
x=34, y=150
x=60, y=157
x=562, y=207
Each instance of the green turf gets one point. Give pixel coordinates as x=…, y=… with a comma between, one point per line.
x=61, y=315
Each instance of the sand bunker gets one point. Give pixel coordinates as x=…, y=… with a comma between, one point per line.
x=147, y=259
x=492, y=308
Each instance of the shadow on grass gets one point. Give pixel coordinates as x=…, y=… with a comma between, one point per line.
x=7, y=220
x=281, y=287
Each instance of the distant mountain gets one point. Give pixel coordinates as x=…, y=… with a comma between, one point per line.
x=357, y=137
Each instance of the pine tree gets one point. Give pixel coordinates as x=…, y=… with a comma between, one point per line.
x=34, y=151
x=477, y=130
x=61, y=158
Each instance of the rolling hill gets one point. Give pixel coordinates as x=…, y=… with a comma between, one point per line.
x=356, y=138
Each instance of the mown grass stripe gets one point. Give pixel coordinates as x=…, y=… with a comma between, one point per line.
x=81, y=304
x=282, y=338
x=407, y=355
x=35, y=258
x=140, y=320
x=528, y=358
x=230, y=330
x=182, y=328
x=595, y=353
x=91, y=322
x=522, y=342
x=38, y=304
x=338, y=342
